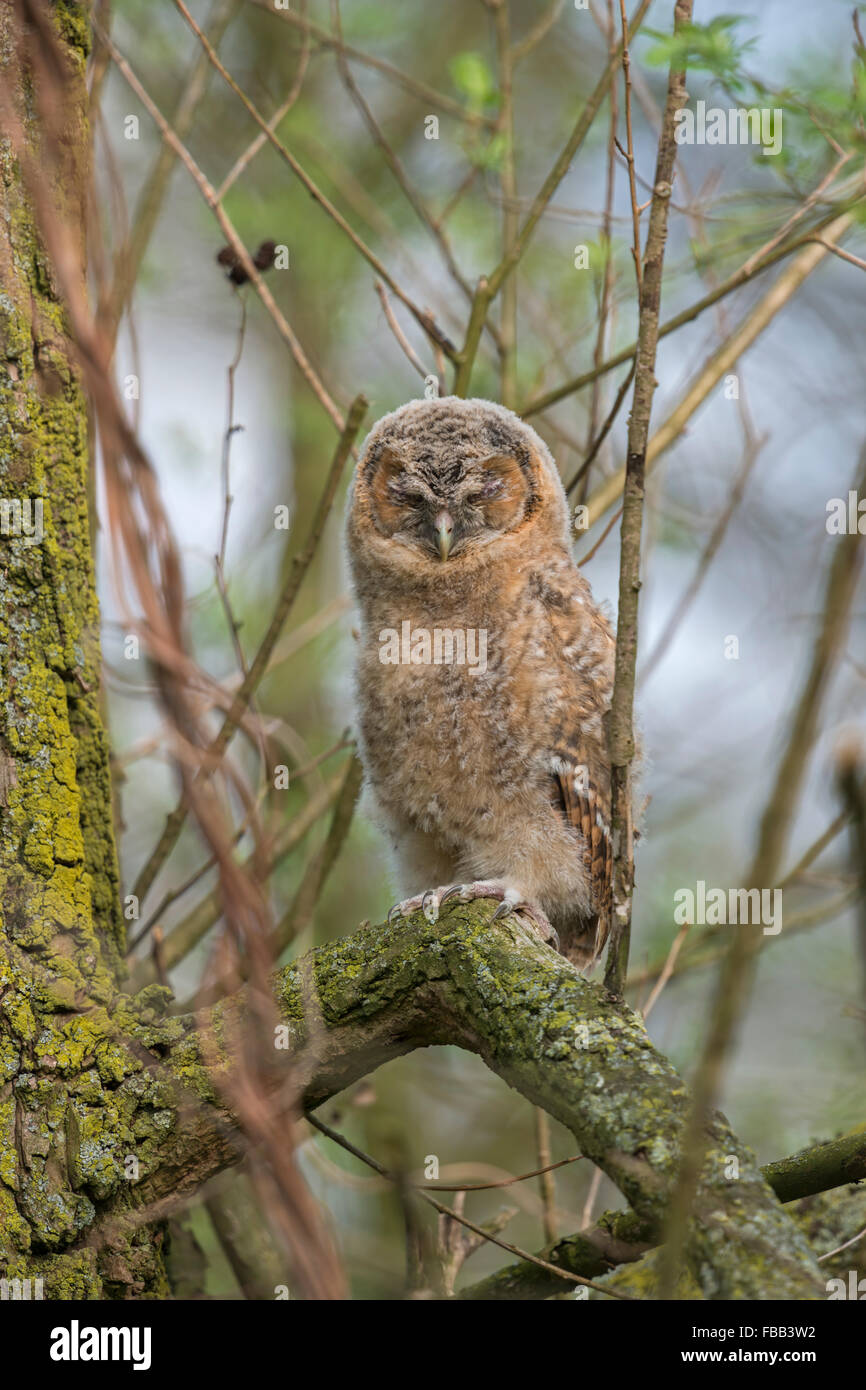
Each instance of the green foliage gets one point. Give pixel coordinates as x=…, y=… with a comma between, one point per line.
x=474, y=81
x=715, y=47
x=490, y=156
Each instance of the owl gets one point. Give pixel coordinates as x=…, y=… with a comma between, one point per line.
x=484, y=672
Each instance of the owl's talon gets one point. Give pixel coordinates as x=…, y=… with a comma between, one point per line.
x=430, y=904
x=511, y=903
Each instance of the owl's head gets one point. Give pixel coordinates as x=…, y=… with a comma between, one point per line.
x=439, y=482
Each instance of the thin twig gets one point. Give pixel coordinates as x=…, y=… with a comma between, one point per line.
x=391, y=159
x=283, y=327
x=838, y=251
x=230, y=431
x=585, y=559
x=621, y=740
x=717, y=535
x=591, y=1199
x=425, y=320
x=532, y=38
x=405, y=345
x=298, y=569
x=721, y=361
x=718, y=942
x=629, y=151
x=839, y=1248
x=503, y=1182
x=546, y=1184
x=667, y=971
x=418, y=89
x=489, y=286
x=379, y=1168
x=510, y=217
x=563, y=161
x=594, y=439
x=152, y=196
x=605, y=430
x=732, y=282
x=245, y=158
x=738, y=966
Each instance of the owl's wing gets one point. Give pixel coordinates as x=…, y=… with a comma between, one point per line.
x=586, y=806
x=583, y=649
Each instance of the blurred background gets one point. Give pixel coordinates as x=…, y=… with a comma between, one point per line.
x=781, y=441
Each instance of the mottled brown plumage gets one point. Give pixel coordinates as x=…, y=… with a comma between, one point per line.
x=493, y=778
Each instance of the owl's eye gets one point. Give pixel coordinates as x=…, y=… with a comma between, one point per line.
x=491, y=487
x=400, y=494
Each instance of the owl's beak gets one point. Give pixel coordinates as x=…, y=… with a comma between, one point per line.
x=444, y=526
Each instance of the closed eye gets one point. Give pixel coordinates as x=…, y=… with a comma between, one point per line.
x=402, y=495
x=489, y=489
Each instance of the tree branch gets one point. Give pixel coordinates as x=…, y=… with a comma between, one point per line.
x=618, y=1237
x=621, y=729
x=753, y=267
x=721, y=361
x=560, y=1040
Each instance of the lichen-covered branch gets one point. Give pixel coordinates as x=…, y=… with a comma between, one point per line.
x=126, y=1083
x=819, y=1167
x=620, y=1238
x=564, y=1044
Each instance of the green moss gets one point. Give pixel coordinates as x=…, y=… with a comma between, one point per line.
x=73, y=25
x=72, y=1102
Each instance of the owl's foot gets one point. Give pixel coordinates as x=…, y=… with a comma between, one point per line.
x=511, y=901
x=428, y=903
x=508, y=898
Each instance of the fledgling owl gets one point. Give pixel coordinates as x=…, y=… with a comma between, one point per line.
x=484, y=670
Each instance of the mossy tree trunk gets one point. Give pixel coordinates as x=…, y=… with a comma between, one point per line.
x=61, y=929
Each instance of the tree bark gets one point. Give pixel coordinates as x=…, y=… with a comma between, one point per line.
x=61, y=930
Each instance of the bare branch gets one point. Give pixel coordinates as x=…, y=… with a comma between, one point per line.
x=244, y=259
x=621, y=728
x=737, y=971
x=424, y=319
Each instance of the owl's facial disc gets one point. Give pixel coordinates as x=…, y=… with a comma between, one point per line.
x=447, y=512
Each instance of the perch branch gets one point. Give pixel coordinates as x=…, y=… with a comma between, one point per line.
x=495, y=990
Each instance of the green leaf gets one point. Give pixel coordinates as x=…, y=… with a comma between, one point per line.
x=715, y=47
x=490, y=156
x=474, y=80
